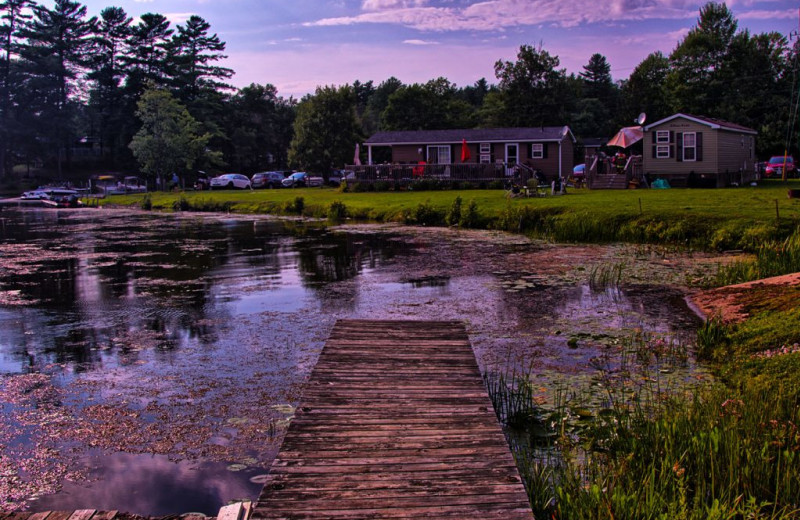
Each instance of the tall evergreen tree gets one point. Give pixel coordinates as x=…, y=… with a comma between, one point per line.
x=55, y=57
x=147, y=57
x=598, y=103
x=15, y=13
x=108, y=71
x=194, y=54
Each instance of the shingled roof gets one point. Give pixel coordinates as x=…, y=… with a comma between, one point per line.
x=709, y=121
x=474, y=135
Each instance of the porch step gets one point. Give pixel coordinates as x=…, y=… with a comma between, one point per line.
x=610, y=182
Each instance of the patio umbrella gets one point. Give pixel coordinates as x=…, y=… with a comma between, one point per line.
x=357, y=156
x=627, y=136
x=464, y=151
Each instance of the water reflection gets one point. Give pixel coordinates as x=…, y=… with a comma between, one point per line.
x=187, y=337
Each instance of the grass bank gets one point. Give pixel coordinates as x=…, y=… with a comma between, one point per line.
x=724, y=219
x=729, y=449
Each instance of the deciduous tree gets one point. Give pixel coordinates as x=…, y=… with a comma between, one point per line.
x=326, y=130
x=169, y=140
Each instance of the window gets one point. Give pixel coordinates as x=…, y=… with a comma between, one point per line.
x=486, y=153
x=537, y=151
x=689, y=146
x=439, y=155
x=662, y=136
x=662, y=152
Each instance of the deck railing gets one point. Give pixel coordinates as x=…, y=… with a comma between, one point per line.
x=409, y=173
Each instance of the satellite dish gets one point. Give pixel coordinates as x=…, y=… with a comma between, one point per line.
x=641, y=119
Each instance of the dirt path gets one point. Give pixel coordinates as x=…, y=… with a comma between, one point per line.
x=735, y=303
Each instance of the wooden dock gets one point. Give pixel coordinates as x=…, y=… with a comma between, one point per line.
x=395, y=423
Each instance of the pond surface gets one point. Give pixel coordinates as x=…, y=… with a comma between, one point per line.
x=151, y=363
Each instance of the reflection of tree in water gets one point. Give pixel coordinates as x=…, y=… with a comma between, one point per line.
x=338, y=257
x=118, y=284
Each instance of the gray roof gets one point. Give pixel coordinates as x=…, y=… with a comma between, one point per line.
x=717, y=124
x=473, y=135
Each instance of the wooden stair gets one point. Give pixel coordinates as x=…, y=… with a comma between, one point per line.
x=610, y=182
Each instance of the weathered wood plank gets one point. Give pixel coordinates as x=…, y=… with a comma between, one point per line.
x=231, y=512
x=59, y=515
x=105, y=515
x=39, y=516
x=82, y=514
x=395, y=423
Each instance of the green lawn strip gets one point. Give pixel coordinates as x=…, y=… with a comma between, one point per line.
x=738, y=218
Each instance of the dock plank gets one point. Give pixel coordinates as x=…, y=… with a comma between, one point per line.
x=395, y=423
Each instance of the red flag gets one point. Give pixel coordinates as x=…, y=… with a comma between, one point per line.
x=464, y=151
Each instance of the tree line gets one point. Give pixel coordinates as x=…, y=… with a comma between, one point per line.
x=151, y=97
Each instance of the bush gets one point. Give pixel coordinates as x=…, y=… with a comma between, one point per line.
x=470, y=218
x=337, y=211
x=147, y=202
x=424, y=215
x=182, y=204
x=453, y=217
x=296, y=206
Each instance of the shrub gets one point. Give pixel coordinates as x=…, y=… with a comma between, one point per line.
x=337, y=211
x=425, y=214
x=147, y=202
x=470, y=218
x=296, y=206
x=182, y=204
x=453, y=217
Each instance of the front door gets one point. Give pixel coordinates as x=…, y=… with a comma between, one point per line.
x=512, y=156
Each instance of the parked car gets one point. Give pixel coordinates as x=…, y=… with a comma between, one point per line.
x=775, y=166
x=267, y=180
x=230, y=181
x=301, y=180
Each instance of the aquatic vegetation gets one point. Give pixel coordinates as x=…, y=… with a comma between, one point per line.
x=605, y=276
x=772, y=258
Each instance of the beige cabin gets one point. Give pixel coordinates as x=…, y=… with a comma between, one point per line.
x=698, y=151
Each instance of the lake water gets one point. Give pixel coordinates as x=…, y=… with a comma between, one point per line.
x=151, y=363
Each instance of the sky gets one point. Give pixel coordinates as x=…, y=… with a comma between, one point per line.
x=298, y=45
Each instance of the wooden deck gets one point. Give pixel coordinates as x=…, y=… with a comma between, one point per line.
x=395, y=423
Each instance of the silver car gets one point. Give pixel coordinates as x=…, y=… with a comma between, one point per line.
x=231, y=181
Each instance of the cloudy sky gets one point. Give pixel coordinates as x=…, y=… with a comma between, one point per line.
x=299, y=44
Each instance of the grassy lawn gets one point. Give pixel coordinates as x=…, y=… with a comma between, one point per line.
x=735, y=218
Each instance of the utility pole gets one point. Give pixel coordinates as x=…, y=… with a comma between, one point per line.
x=792, y=119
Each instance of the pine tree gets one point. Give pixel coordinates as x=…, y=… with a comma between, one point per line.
x=15, y=13
x=55, y=57
x=108, y=71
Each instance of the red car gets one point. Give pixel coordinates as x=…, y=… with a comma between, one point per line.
x=775, y=166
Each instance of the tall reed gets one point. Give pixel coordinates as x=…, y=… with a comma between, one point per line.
x=773, y=258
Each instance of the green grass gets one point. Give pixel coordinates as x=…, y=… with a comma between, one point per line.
x=736, y=218
x=722, y=450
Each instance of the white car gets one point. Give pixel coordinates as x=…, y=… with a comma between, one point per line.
x=230, y=181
